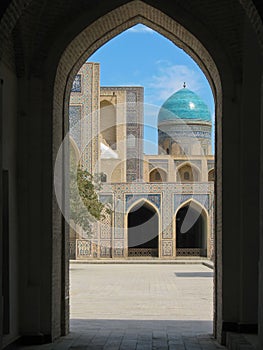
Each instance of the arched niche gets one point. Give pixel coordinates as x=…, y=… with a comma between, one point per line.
x=211, y=175
x=176, y=149
x=108, y=123
x=158, y=175
x=188, y=173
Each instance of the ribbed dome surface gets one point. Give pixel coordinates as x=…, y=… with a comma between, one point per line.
x=184, y=104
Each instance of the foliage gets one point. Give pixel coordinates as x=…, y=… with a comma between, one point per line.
x=85, y=207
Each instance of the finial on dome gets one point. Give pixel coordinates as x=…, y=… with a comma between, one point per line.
x=184, y=86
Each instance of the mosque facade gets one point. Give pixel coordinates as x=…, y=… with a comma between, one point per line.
x=162, y=205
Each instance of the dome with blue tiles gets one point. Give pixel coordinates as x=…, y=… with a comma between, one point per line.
x=184, y=104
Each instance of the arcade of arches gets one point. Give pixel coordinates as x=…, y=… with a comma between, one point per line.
x=39, y=58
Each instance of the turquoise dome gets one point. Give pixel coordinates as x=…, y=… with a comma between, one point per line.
x=184, y=104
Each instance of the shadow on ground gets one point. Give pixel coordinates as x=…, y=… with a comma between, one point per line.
x=134, y=335
x=189, y=327
x=194, y=274
x=141, y=334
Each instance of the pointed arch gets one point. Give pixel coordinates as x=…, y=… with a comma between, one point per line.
x=158, y=175
x=14, y=12
x=211, y=175
x=143, y=200
x=108, y=129
x=188, y=172
x=196, y=203
x=113, y=23
x=7, y=25
x=176, y=149
x=142, y=229
x=199, y=233
x=100, y=31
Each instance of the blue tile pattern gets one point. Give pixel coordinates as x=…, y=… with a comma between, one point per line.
x=76, y=86
x=184, y=104
x=153, y=198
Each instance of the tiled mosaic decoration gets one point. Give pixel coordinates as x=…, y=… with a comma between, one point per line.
x=76, y=86
x=153, y=198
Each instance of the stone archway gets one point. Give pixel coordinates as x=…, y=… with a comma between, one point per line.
x=236, y=85
x=237, y=72
x=114, y=23
x=59, y=128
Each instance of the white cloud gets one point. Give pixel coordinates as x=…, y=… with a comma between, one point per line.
x=163, y=62
x=171, y=78
x=140, y=28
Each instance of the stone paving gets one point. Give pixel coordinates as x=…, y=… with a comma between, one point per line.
x=139, y=307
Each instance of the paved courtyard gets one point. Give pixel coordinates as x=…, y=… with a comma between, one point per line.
x=143, y=292
x=139, y=307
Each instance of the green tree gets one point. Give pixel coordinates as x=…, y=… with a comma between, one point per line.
x=85, y=207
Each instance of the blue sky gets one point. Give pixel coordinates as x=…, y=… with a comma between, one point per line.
x=142, y=57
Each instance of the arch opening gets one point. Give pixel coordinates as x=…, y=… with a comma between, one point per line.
x=143, y=235
x=191, y=231
x=146, y=15
x=57, y=233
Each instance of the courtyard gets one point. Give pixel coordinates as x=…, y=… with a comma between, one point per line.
x=143, y=292
x=139, y=306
